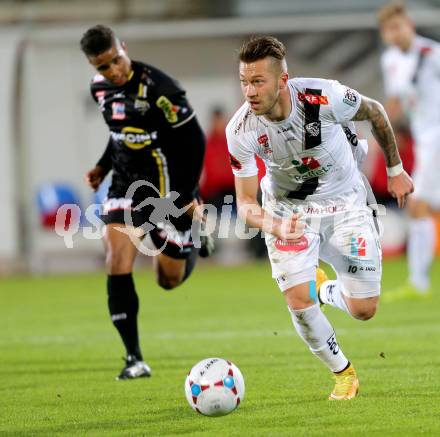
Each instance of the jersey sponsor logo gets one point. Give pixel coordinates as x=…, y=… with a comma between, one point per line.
x=118, y=111
x=264, y=141
x=350, y=97
x=170, y=111
x=100, y=97
x=292, y=246
x=328, y=209
x=133, y=137
x=309, y=168
x=235, y=163
x=313, y=128
x=313, y=99
x=358, y=246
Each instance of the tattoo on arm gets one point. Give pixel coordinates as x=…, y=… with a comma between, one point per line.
x=374, y=112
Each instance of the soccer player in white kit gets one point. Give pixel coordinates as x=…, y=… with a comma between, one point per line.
x=314, y=200
x=411, y=71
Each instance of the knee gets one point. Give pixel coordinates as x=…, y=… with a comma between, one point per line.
x=116, y=263
x=168, y=282
x=364, y=314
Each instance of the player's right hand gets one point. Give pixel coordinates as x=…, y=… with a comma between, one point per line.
x=94, y=177
x=290, y=229
x=400, y=187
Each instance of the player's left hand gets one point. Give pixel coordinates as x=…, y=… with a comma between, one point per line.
x=400, y=187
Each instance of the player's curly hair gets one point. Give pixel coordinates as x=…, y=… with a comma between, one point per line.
x=260, y=47
x=97, y=40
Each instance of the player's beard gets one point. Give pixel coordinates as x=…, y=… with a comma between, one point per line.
x=267, y=109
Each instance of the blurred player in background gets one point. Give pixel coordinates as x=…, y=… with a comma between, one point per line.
x=154, y=137
x=217, y=181
x=302, y=129
x=411, y=71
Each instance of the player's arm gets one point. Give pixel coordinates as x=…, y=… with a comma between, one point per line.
x=96, y=175
x=400, y=184
x=184, y=136
x=188, y=143
x=256, y=217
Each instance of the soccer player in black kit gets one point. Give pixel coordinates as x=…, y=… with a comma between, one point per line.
x=154, y=137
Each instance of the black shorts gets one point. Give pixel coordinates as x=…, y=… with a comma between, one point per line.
x=172, y=235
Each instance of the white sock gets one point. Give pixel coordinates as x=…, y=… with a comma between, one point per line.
x=330, y=293
x=314, y=328
x=421, y=246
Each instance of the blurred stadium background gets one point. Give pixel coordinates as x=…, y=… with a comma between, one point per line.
x=51, y=133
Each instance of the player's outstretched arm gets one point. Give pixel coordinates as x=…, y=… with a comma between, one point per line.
x=400, y=184
x=256, y=217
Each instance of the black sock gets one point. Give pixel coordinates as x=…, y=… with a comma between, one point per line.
x=123, y=304
x=190, y=263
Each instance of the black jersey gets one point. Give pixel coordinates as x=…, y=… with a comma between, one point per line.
x=154, y=134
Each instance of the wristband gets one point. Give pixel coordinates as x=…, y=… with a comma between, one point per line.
x=395, y=170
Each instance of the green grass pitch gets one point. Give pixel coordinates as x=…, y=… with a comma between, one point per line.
x=59, y=356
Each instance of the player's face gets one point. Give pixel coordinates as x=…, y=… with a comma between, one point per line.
x=113, y=64
x=398, y=31
x=260, y=84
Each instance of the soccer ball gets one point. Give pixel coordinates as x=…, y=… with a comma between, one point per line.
x=214, y=387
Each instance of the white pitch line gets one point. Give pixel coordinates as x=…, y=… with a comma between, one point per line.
x=210, y=335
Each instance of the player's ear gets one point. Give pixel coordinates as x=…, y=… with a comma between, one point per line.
x=283, y=80
x=124, y=47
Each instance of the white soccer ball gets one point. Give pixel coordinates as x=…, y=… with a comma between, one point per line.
x=214, y=387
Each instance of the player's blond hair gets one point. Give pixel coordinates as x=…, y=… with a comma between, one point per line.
x=391, y=10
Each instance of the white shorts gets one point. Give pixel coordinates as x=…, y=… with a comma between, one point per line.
x=425, y=175
x=340, y=232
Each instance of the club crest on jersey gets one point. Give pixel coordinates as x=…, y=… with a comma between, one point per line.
x=349, y=97
x=118, y=111
x=263, y=140
x=309, y=168
x=313, y=129
x=141, y=105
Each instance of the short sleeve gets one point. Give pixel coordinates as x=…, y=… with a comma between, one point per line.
x=242, y=158
x=344, y=102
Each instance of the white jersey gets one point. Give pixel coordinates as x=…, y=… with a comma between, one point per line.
x=308, y=155
x=414, y=77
